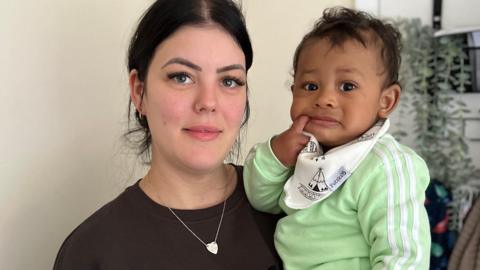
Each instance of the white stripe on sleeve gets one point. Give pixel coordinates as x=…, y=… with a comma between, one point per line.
x=402, y=203
x=390, y=209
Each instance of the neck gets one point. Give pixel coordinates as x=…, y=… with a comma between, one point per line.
x=186, y=190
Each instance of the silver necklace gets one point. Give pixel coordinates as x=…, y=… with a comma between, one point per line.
x=212, y=246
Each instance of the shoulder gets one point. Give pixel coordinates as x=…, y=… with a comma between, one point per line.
x=388, y=154
x=391, y=171
x=392, y=160
x=108, y=216
x=100, y=219
x=85, y=244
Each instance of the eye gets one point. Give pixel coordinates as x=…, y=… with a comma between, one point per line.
x=346, y=86
x=310, y=87
x=231, y=82
x=181, y=78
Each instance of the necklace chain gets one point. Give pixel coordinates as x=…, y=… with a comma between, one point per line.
x=194, y=234
x=212, y=246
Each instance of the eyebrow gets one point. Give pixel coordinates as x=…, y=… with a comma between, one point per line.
x=182, y=61
x=350, y=70
x=308, y=71
x=230, y=67
x=185, y=62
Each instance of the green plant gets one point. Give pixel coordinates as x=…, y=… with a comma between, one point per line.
x=433, y=71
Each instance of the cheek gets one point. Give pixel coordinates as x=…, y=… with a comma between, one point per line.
x=295, y=110
x=167, y=110
x=234, y=109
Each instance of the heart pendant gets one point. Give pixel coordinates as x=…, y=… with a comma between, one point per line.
x=212, y=247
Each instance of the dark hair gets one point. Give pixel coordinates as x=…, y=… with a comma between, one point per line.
x=340, y=24
x=161, y=20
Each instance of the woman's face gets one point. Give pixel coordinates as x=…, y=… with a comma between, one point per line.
x=195, y=98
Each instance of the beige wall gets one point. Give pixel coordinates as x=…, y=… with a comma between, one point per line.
x=64, y=93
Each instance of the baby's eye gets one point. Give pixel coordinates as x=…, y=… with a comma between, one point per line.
x=232, y=82
x=310, y=87
x=181, y=78
x=346, y=87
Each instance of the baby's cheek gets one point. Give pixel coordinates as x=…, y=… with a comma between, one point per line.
x=293, y=112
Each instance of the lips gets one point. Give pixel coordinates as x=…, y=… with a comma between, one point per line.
x=324, y=121
x=203, y=133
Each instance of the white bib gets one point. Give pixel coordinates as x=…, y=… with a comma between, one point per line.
x=317, y=175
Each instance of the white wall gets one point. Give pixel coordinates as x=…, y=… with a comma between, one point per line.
x=456, y=14
x=64, y=96
x=63, y=92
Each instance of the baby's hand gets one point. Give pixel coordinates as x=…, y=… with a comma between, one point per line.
x=289, y=143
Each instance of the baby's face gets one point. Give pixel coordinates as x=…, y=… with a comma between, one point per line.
x=339, y=89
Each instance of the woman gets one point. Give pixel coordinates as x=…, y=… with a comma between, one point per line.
x=188, y=63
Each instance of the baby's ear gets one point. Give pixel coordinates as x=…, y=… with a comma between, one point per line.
x=389, y=99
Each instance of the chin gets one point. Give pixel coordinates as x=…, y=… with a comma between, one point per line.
x=203, y=161
x=204, y=167
x=326, y=142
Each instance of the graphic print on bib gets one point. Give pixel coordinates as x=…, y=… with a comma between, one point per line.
x=317, y=174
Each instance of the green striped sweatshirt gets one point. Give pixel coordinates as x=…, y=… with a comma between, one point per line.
x=375, y=220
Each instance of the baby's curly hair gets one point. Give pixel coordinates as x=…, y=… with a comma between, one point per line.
x=340, y=24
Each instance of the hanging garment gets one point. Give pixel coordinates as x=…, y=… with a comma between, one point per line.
x=466, y=253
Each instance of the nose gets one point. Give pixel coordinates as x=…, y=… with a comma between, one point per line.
x=206, y=98
x=326, y=98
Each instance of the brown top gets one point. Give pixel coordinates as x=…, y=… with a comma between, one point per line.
x=133, y=232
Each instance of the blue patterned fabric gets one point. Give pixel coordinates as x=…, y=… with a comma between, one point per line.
x=443, y=240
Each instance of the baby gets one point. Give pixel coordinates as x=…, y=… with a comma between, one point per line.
x=354, y=199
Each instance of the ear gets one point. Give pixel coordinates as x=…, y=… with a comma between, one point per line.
x=389, y=99
x=136, y=91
